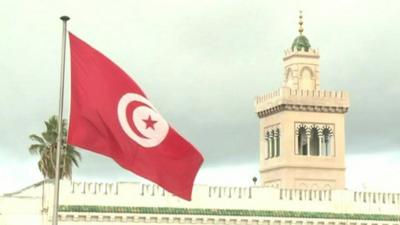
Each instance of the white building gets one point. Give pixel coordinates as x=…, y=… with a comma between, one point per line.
x=302, y=168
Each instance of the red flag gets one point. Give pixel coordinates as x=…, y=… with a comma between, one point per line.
x=111, y=115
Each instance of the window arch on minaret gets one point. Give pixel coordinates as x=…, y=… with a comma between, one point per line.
x=327, y=187
x=307, y=79
x=302, y=142
x=272, y=142
x=289, y=79
x=326, y=147
x=314, y=141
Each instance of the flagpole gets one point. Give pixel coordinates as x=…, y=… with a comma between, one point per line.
x=60, y=120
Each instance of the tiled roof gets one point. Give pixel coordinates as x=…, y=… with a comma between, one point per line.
x=225, y=212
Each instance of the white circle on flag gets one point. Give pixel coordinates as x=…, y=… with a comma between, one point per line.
x=151, y=127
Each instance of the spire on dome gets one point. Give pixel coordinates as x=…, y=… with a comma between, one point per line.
x=301, y=42
x=301, y=23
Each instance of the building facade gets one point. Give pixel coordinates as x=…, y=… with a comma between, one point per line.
x=134, y=203
x=302, y=169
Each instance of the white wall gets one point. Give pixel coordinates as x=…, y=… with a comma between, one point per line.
x=25, y=207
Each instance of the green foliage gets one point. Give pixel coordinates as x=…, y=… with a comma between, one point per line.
x=46, y=147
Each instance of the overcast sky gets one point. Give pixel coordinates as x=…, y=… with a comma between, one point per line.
x=201, y=63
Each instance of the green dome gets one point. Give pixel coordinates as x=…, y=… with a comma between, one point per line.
x=301, y=42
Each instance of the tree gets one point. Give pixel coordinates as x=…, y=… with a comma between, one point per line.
x=46, y=146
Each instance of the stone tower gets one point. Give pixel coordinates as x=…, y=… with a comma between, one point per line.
x=302, y=132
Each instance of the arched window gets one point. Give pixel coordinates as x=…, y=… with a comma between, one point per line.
x=314, y=142
x=307, y=79
x=326, y=141
x=278, y=143
x=302, y=141
x=289, y=79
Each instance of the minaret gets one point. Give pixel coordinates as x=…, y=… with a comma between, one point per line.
x=302, y=132
x=301, y=63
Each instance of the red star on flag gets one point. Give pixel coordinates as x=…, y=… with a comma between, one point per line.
x=150, y=122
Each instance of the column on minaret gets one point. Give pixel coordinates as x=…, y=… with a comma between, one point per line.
x=331, y=148
x=308, y=142
x=272, y=138
x=320, y=141
x=266, y=151
x=275, y=143
x=296, y=144
x=269, y=145
x=320, y=136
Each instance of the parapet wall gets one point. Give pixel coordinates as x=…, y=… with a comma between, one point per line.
x=303, y=100
x=148, y=190
x=310, y=53
x=144, y=196
x=305, y=195
x=377, y=197
x=94, y=188
x=222, y=197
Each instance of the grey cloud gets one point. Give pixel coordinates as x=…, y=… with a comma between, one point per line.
x=202, y=64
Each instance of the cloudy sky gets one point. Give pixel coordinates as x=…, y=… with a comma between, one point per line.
x=202, y=63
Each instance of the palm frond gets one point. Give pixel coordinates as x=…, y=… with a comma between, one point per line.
x=36, y=148
x=46, y=147
x=75, y=162
x=34, y=137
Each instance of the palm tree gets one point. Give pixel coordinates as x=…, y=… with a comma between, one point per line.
x=46, y=147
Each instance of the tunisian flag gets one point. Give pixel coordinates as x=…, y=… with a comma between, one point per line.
x=111, y=115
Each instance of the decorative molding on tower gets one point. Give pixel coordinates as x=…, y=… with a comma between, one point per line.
x=302, y=100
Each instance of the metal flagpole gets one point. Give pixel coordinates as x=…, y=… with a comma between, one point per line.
x=60, y=120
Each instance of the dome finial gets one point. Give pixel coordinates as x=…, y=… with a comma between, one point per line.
x=301, y=42
x=301, y=22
